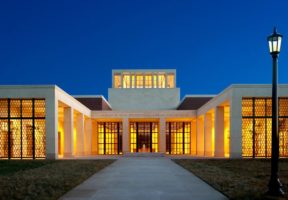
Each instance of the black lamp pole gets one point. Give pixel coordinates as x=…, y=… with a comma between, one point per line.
x=275, y=186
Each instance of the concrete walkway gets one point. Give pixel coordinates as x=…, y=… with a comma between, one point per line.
x=143, y=178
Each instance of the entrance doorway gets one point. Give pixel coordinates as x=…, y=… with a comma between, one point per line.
x=144, y=136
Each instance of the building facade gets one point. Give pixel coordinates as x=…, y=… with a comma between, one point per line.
x=143, y=114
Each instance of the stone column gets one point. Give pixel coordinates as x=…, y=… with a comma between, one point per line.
x=193, y=137
x=80, y=134
x=200, y=136
x=94, y=136
x=125, y=137
x=88, y=136
x=68, y=132
x=235, y=126
x=162, y=136
x=51, y=126
x=219, y=131
x=208, y=134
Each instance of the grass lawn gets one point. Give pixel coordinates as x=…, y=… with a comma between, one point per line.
x=44, y=179
x=237, y=179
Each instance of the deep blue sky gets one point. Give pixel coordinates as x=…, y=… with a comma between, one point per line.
x=76, y=44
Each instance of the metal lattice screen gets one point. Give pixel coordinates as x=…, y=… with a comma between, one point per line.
x=109, y=137
x=178, y=137
x=22, y=128
x=257, y=125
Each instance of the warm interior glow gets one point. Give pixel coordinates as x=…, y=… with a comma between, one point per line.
x=148, y=81
x=161, y=81
x=25, y=125
x=60, y=138
x=170, y=81
x=132, y=81
x=139, y=81
x=178, y=137
x=213, y=134
x=227, y=131
x=140, y=136
x=74, y=140
x=144, y=80
x=155, y=85
x=257, y=126
x=109, y=136
x=117, y=81
x=126, y=81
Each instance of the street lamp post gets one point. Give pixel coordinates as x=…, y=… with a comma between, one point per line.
x=275, y=186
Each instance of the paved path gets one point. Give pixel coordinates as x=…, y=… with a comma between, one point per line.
x=143, y=178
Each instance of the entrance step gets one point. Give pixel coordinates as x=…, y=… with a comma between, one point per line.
x=144, y=154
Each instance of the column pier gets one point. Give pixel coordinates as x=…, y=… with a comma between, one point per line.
x=162, y=136
x=68, y=132
x=80, y=134
x=219, y=131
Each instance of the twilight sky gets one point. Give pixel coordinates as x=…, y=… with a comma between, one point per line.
x=76, y=44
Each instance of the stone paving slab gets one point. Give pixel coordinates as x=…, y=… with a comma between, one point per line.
x=144, y=178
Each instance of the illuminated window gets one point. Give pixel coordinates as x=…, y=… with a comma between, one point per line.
x=178, y=137
x=144, y=136
x=132, y=81
x=257, y=125
x=161, y=81
x=117, y=81
x=109, y=137
x=139, y=81
x=170, y=81
x=22, y=130
x=148, y=81
x=155, y=81
x=126, y=81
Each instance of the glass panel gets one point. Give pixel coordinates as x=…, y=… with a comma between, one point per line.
x=274, y=45
x=170, y=81
x=247, y=107
x=21, y=129
x=283, y=137
x=3, y=107
x=40, y=108
x=27, y=138
x=40, y=138
x=269, y=107
x=15, y=138
x=108, y=137
x=279, y=44
x=139, y=81
x=270, y=46
x=180, y=137
x=155, y=85
x=100, y=138
x=15, y=111
x=143, y=138
x=133, y=137
x=132, y=81
x=263, y=126
x=155, y=134
x=161, y=81
x=3, y=138
x=260, y=139
x=148, y=81
x=260, y=107
x=283, y=107
x=269, y=136
x=247, y=137
x=187, y=135
x=126, y=81
x=27, y=108
x=117, y=81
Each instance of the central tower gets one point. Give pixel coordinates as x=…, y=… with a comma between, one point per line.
x=144, y=90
